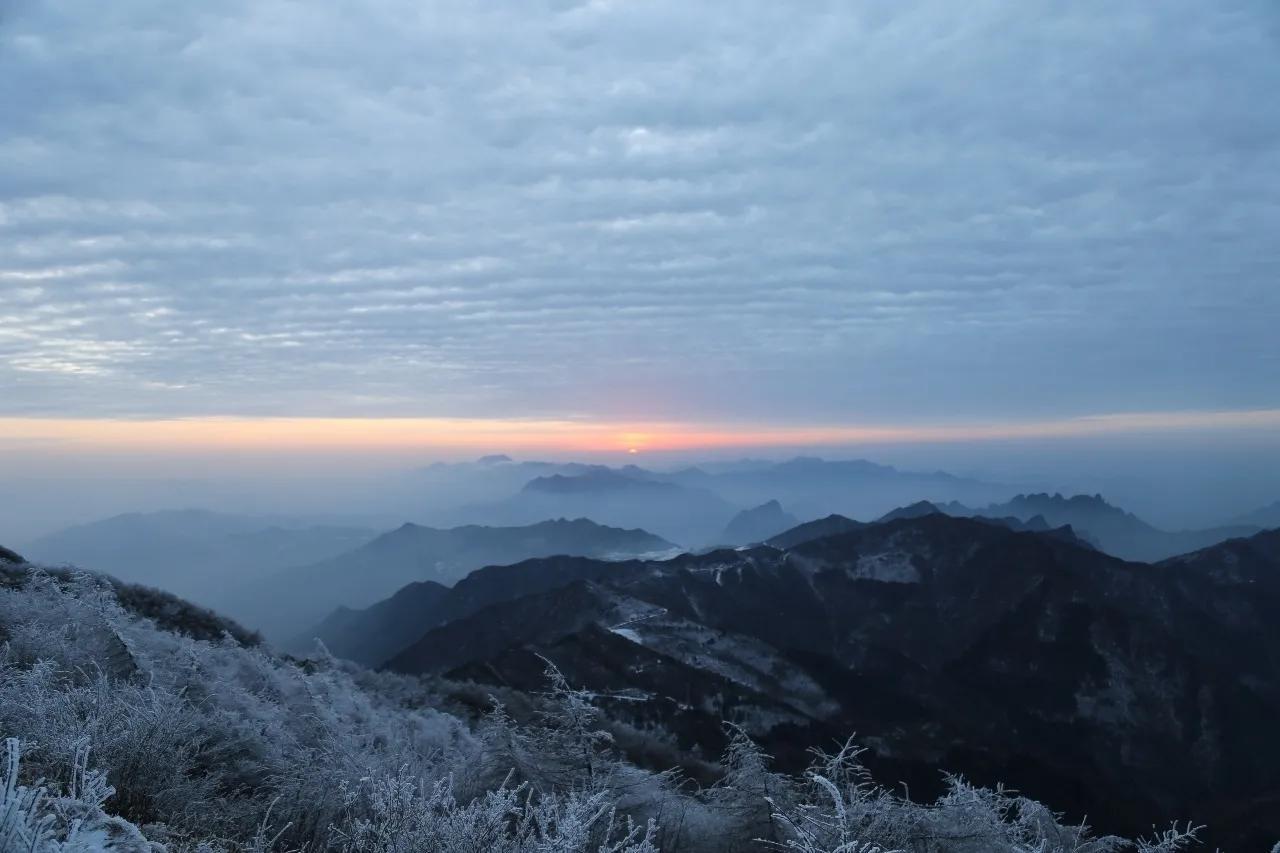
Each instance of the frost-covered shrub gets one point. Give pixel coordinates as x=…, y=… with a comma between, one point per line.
x=751, y=792
x=403, y=814
x=201, y=736
x=840, y=810
x=564, y=751
x=148, y=739
x=39, y=818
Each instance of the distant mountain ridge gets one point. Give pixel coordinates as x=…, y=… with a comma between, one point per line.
x=592, y=482
x=289, y=601
x=694, y=506
x=684, y=514
x=1016, y=654
x=810, y=486
x=374, y=634
x=198, y=554
x=1111, y=528
x=919, y=509
x=836, y=524
x=1266, y=517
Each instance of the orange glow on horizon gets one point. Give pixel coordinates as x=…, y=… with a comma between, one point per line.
x=238, y=434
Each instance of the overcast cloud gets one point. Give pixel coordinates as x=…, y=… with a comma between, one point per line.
x=806, y=212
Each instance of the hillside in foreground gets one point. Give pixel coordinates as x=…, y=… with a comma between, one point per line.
x=135, y=725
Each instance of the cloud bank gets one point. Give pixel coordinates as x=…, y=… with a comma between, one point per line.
x=755, y=212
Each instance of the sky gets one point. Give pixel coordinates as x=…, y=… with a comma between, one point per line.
x=604, y=225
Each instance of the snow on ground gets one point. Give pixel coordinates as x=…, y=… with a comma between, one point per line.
x=628, y=634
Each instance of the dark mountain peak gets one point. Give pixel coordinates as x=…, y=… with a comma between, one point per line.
x=407, y=535
x=7, y=556
x=1066, y=533
x=371, y=635
x=924, y=529
x=540, y=617
x=408, y=528
x=758, y=524
x=635, y=535
x=822, y=527
x=1244, y=559
x=915, y=510
x=417, y=591
x=911, y=549
x=562, y=522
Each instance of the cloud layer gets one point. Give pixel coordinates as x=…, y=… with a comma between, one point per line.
x=814, y=213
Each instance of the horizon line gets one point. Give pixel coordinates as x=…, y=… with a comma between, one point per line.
x=382, y=434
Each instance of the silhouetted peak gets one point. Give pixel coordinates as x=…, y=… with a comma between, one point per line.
x=415, y=591
x=758, y=523
x=595, y=480
x=1095, y=501
x=582, y=523
x=832, y=525
x=919, y=509
x=407, y=528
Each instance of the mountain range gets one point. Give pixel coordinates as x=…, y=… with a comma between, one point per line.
x=177, y=726
x=691, y=506
x=686, y=514
x=695, y=506
x=811, y=487
x=1023, y=643
x=1111, y=528
x=194, y=553
x=1128, y=692
x=288, y=601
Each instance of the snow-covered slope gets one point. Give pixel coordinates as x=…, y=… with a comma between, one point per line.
x=130, y=731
